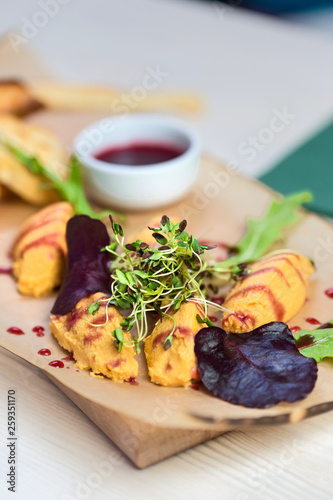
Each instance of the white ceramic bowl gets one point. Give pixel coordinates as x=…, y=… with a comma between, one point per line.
x=138, y=187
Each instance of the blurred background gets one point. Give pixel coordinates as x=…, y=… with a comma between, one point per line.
x=247, y=61
x=281, y=6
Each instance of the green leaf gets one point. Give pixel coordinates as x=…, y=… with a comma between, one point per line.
x=209, y=322
x=153, y=286
x=137, y=345
x=122, y=287
x=182, y=244
x=130, y=278
x=140, y=273
x=176, y=282
x=70, y=190
x=166, y=224
x=205, y=320
x=262, y=233
x=123, y=303
x=119, y=334
x=168, y=342
x=162, y=240
x=177, y=304
x=122, y=277
x=130, y=325
x=182, y=236
x=156, y=256
x=93, y=308
x=316, y=344
x=117, y=229
x=196, y=246
x=113, y=246
x=113, y=302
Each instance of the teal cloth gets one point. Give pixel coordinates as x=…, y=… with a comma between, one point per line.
x=310, y=168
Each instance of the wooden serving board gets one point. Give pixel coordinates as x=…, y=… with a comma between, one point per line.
x=148, y=422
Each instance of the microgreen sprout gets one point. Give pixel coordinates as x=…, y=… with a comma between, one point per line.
x=156, y=278
x=93, y=308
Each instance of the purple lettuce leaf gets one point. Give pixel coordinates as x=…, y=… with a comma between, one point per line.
x=258, y=369
x=87, y=267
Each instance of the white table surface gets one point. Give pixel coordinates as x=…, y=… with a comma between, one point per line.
x=245, y=66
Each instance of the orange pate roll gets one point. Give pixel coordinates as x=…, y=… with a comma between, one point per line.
x=93, y=346
x=275, y=290
x=175, y=366
x=39, y=251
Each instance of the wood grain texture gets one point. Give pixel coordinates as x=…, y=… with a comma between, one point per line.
x=59, y=446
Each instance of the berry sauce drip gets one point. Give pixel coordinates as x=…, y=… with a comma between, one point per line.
x=313, y=321
x=57, y=364
x=15, y=330
x=329, y=293
x=218, y=300
x=68, y=358
x=195, y=387
x=5, y=270
x=132, y=381
x=44, y=352
x=39, y=331
x=295, y=329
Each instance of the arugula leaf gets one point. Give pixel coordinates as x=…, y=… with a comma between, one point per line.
x=70, y=190
x=316, y=344
x=262, y=233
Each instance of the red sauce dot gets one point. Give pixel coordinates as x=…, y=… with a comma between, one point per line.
x=329, y=293
x=313, y=321
x=68, y=367
x=77, y=370
x=44, y=352
x=57, y=364
x=39, y=330
x=132, y=381
x=5, y=270
x=218, y=300
x=195, y=387
x=212, y=318
x=295, y=329
x=15, y=330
